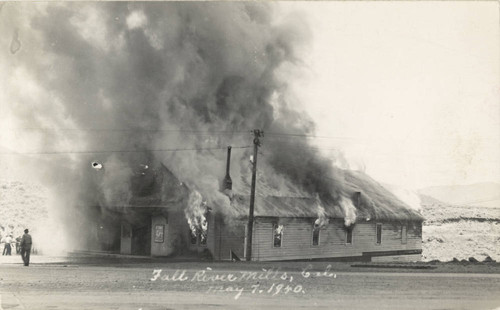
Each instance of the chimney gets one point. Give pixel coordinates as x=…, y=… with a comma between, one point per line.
x=357, y=199
x=227, y=183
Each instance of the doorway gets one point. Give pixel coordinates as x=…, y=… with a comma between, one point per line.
x=141, y=239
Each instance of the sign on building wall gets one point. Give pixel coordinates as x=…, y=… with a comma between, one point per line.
x=159, y=233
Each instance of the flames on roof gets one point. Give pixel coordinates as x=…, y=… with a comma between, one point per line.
x=375, y=202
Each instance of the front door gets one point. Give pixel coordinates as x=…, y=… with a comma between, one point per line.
x=141, y=239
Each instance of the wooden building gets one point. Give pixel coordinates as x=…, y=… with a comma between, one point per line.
x=285, y=228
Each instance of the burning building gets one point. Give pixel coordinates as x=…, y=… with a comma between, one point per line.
x=137, y=100
x=165, y=217
x=296, y=227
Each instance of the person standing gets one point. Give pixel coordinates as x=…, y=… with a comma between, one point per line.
x=8, y=248
x=26, y=242
x=4, y=246
x=18, y=245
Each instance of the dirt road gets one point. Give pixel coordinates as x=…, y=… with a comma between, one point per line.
x=240, y=286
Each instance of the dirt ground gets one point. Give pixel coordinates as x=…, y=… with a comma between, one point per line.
x=135, y=283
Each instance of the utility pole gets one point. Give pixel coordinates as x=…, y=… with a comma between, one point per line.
x=257, y=133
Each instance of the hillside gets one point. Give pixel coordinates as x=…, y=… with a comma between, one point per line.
x=459, y=231
x=23, y=205
x=479, y=194
x=23, y=201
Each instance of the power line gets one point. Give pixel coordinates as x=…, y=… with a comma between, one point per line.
x=304, y=146
x=122, y=151
x=297, y=135
x=182, y=131
x=134, y=130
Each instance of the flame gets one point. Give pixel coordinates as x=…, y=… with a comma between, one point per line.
x=279, y=230
x=322, y=220
x=195, y=215
x=349, y=211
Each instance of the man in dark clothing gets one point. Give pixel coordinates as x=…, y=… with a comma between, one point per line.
x=26, y=247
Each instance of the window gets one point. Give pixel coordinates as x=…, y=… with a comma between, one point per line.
x=417, y=230
x=315, y=237
x=277, y=235
x=198, y=233
x=348, y=235
x=198, y=236
x=404, y=235
x=379, y=233
x=193, y=236
x=203, y=235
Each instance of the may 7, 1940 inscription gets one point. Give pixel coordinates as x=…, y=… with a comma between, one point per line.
x=271, y=281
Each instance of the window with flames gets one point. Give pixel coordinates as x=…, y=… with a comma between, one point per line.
x=315, y=235
x=348, y=235
x=277, y=235
x=199, y=235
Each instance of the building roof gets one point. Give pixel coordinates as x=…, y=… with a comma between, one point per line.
x=274, y=206
x=159, y=187
x=156, y=187
x=375, y=203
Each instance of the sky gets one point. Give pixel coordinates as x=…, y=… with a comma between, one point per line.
x=409, y=90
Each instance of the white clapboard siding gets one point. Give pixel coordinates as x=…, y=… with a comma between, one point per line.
x=297, y=239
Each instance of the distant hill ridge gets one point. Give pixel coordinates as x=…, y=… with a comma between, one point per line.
x=479, y=194
x=429, y=201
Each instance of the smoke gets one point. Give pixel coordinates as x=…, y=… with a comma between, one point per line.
x=130, y=79
x=15, y=44
x=115, y=182
x=322, y=220
x=50, y=235
x=375, y=201
x=410, y=197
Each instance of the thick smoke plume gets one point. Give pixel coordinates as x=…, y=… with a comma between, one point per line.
x=128, y=80
x=142, y=77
